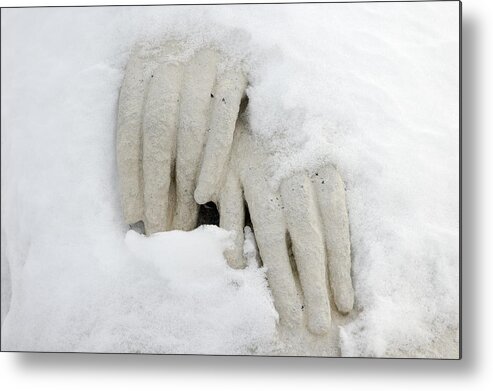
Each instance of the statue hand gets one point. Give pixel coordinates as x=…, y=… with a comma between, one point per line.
x=176, y=119
x=306, y=215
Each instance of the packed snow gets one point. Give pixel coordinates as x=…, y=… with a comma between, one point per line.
x=372, y=88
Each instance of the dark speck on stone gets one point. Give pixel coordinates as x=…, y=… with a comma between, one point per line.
x=224, y=100
x=323, y=182
x=212, y=95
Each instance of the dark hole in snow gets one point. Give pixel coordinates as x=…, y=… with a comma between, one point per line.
x=208, y=214
x=138, y=227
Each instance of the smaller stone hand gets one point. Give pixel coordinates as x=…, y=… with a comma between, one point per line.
x=176, y=119
x=306, y=214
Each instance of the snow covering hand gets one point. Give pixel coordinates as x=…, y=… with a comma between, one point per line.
x=177, y=147
x=176, y=119
x=307, y=214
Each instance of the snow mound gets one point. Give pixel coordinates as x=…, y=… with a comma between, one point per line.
x=173, y=293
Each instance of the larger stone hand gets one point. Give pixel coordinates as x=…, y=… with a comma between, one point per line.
x=176, y=119
x=306, y=214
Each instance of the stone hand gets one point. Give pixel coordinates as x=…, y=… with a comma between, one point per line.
x=306, y=215
x=176, y=119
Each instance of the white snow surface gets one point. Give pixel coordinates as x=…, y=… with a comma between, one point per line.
x=372, y=88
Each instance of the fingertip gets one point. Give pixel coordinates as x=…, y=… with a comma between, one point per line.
x=234, y=258
x=319, y=323
x=344, y=300
x=201, y=195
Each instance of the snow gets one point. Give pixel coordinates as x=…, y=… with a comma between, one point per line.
x=173, y=292
x=372, y=88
